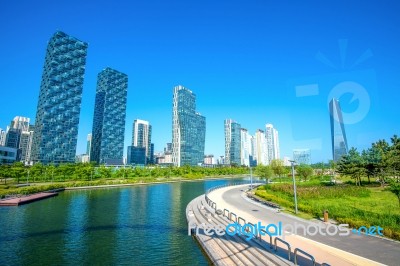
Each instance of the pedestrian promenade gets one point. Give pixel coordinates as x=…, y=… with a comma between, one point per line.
x=332, y=250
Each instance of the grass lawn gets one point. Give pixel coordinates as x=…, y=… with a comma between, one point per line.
x=347, y=204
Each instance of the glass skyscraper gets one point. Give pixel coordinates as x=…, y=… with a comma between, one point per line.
x=109, y=117
x=188, y=129
x=141, y=137
x=338, y=134
x=232, y=142
x=59, y=105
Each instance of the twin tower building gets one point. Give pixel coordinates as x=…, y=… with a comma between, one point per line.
x=58, y=111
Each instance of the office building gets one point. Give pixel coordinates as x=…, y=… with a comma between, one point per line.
x=136, y=155
x=109, y=117
x=59, y=105
x=209, y=159
x=88, y=144
x=2, y=137
x=302, y=156
x=245, y=147
x=188, y=129
x=260, y=148
x=8, y=155
x=141, y=137
x=232, y=142
x=271, y=134
x=338, y=134
x=151, y=161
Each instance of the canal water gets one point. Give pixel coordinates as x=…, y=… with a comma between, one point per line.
x=138, y=225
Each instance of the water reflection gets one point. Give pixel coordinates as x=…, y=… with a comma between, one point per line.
x=139, y=225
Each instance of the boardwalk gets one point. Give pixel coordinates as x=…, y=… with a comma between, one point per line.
x=27, y=199
x=229, y=250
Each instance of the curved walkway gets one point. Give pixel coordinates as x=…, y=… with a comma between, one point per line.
x=225, y=249
x=334, y=250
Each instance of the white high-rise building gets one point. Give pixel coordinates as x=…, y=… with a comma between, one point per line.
x=21, y=123
x=245, y=147
x=20, y=135
x=272, y=137
x=141, y=136
x=2, y=137
x=260, y=148
x=88, y=144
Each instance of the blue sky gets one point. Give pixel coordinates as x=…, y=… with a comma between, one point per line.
x=256, y=62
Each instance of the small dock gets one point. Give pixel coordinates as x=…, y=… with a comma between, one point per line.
x=27, y=199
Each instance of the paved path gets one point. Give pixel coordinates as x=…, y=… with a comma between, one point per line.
x=334, y=250
x=225, y=249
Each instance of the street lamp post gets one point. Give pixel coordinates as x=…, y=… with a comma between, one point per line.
x=294, y=186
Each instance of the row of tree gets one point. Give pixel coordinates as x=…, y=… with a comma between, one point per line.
x=381, y=161
x=277, y=168
x=86, y=171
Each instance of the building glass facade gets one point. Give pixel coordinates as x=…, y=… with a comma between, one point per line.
x=59, y=105
x=136, y=155
x=273, y=151
x=109, y=117
x=188, y=129
x=232, y=142
x=141, y=136
x=338, y=134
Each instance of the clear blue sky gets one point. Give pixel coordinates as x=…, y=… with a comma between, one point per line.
x=245, y=60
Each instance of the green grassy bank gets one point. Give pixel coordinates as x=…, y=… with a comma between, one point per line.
x=346, y=203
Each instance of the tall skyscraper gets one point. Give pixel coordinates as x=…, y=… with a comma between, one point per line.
x=188, y=129
x=338, y=134
x=232, y=142
x=141, y=137
x=109, y=117
x=260, y=148
x=59, y=105
x=271, y=134
x=88, y=144
x=245, y=147
x=302, y=156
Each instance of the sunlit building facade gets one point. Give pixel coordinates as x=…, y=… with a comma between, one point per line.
x=141, y=137
x=188, y=129
x=59, y=105
x=232, y=142
x=109, y=117
x=338, y=134
x=272, y=137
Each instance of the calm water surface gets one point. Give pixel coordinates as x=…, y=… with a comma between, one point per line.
x=139, y=225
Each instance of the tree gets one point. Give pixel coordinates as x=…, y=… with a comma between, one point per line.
x=264, y=171
x=277, y=167
x=352, y=165
x=18, y=170
x=304, y=171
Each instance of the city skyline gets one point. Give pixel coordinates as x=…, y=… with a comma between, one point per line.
x=252, y=69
